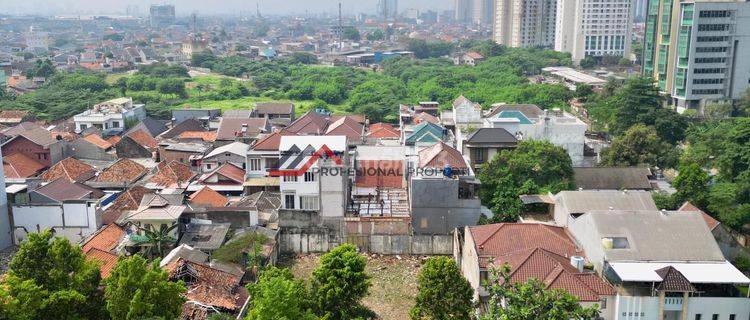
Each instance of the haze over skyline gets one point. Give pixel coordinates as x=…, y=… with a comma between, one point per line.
x=230, y=7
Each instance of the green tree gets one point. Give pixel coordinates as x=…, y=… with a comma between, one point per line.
x=444, y=293
x=137, y=290
x=376, y=35
x=339, y=283
x=156, y=241
x=277, y=295
x=692, y=185
x=533, y=167
x=304, y=58
x=42, y=68
x=531, y=300
x=351, y=33
x=639, y=145
x=49, y=278
x=587, y=63
x=172, y=86
x=717, y=111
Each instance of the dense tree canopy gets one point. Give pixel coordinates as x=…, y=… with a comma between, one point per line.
x=534, y=167
x=137, y=290
x=278, y=296
x=444, y=294
x=639, y=145
x=339, y=284
x=49, y=278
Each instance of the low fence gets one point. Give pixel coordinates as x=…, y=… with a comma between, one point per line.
x=312, y=240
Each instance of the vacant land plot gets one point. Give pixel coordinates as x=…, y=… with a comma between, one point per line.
x=394, y=281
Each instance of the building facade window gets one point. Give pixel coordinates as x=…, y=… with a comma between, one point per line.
x=309, y=177
x=289, y=201
x=290, y=178
x=309, y=202
x=254, y=164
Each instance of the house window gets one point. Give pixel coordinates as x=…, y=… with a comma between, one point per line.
x=290, y=178
x=715, y=317
x=478, y=155
x=254, y=164
x=732, y=317
x=309, y=177
x=289, y=201
x=603, y=304
x=698, y=316
x=83, y=127
x=208, y=166
x=308, y=203
x=423, y=223
x=115, y=124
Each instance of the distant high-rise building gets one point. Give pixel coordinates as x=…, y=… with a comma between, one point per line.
x=482, y=11
x=387, y=9
x=162, y=15
x=697, y=50
x=525, y=23
x=639, y=9
x=36, y=39
x=464, y=10
x=594, y=28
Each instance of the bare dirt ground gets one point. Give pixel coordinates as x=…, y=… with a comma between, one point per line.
x=394, y=281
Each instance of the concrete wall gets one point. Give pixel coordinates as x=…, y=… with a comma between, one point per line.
x=82, y=149
x=6, y=240
x=321, y=239
x=438, y=210
x=73, y=220
x=179, y=116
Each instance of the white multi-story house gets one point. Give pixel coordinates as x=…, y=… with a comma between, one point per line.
x=663, y=265
x=530, y=122
x=594, y=28
x=110, y=116
x=311, y=182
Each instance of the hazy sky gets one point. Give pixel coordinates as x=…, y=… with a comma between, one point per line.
x=186, y=7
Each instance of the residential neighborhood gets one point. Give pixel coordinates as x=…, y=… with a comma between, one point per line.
x=392, y=160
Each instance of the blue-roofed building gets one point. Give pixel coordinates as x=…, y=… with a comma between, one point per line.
x=426, y=133
x=515, y=114
x=268, y=53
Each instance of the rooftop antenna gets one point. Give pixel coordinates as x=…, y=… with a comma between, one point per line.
x=257, y=9
x=195, y=24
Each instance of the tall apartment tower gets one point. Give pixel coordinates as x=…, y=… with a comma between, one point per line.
x=161, y=15
x=387, y=9
x=594, y=28
x=482, y=12
x=464, y=10
x=525, y=23
x=698, y=50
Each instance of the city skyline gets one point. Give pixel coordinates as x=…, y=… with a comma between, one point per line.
x=224, y=7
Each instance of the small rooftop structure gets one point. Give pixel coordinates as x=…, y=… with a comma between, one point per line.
x=207, y=237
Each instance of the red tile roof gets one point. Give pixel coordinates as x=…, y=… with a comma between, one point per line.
x=208, y=197
x=124, y=170
x=383, y=131
x=503, y=238
x=346, y=126
x=143, y=138
x=106, y=239
x=311, y=123
x=71, y=169
x=271, y=142
x=96, y=140
x=424, y=116
x=113, y=140
x=107, y=261
x=229, y=171
x=710, y=221
x=128, y=200
x=172, y=173
x=18, y=165
x=440, y=155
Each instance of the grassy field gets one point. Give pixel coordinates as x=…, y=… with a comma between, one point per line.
x=394, y=282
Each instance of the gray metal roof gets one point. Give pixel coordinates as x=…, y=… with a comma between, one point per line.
x=205, y=236
x=608, y=178
x=587, y=201
x=491, y=136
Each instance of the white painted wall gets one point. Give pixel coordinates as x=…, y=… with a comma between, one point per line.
x=74, y=221
x=6, y=240
x=632, y=307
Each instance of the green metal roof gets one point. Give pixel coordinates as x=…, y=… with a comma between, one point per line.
x=515, y=114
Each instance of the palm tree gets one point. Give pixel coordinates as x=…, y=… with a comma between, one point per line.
x=155, y=240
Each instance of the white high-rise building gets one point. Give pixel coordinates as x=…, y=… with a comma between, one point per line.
x=594, y=28
x=464, y=11
x=482, y=11
x=525, y=23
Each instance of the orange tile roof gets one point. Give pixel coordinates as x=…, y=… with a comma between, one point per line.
x=106, y=260
x=271, y=142
x=346, y=126
x=228, y=170
x=128, y=200
x=440, y=155
x=124, y=170
x=70, y=168
x=113, y=140
x=106, y=239
x=96, y=140
x=208, y=197
x=208, y=136
x=424, y=116
x=18, y=165
x=172, y=173
x=383, y=132
x=710, y=221
x=67, y=136
x=143, y=138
